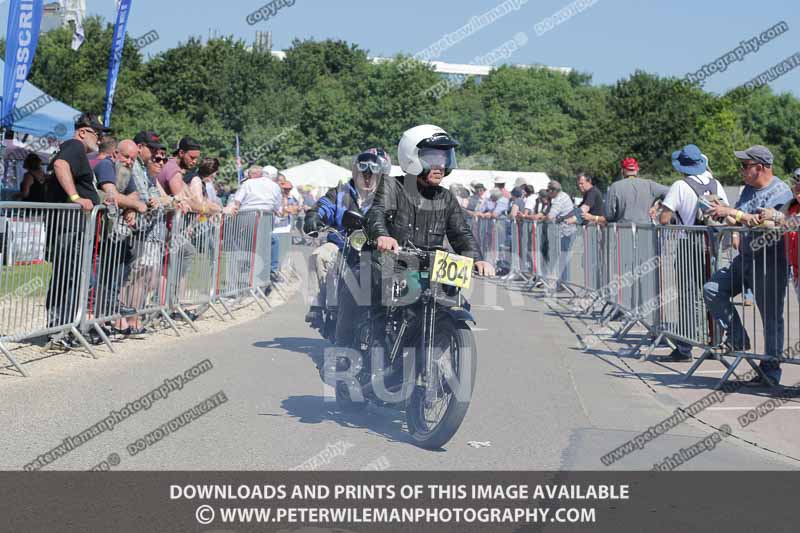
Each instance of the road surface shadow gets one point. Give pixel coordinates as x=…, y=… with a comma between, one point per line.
x=314, y=348
x=388, y=423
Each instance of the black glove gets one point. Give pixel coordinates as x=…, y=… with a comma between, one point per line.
x=312, y=225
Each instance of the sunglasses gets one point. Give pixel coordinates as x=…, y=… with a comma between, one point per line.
x=158, y=159
x=745, y=166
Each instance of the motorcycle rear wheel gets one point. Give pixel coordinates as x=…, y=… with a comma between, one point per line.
x=433, y=423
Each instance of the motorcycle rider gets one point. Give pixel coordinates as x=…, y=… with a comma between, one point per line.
x=415, y=208
x=369, y=167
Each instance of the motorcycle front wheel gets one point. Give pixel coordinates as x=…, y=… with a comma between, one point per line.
x=433, y=416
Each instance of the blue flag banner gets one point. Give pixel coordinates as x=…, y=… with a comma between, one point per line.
x=117, y=45
x=22, y=36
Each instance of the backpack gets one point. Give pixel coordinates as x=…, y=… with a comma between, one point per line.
x=700, y=189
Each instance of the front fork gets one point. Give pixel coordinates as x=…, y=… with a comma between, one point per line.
x=428, y=375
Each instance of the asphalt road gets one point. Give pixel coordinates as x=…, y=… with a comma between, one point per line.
x=539, y=403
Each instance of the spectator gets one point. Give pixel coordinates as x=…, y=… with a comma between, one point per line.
x=224, y=193
x=537, y=205
x=462, y=195
x=682, y=202
x=73, y=183
x=308, y=197
x=761, y=268
x=151, y=161
x=500, y=184
x=259, y=192
x=123, y=194
x=561, y=209
x=119, y=188
x=271, y=173
x=34, y=182
x=592, y=205
x=476, y=200
x=791, y=214
x=209, y=183
x=107, y=150
x=185, y=159
x=289, y=206
x=518, y=195
x=74, y=180
x=147, y=253
x=196, y=194
x=496, y=207
x=682, y=199
x=789, y=217
x=631, y=198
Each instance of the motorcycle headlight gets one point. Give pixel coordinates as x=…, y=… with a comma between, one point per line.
x=358, y=239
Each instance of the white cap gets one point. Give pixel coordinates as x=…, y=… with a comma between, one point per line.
x=270, y=172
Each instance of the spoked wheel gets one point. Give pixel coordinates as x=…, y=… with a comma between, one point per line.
x=434, y=415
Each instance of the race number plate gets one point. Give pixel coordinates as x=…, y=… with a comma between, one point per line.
x=451, y=269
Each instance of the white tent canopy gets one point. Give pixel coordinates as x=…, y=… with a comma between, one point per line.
x=319, y=174
x=538, y=180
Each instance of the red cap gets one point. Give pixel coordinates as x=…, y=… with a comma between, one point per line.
x=630, y=163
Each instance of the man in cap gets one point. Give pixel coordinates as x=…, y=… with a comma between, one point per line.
x=630, y=199
x=74, y=183
x=152, y=155
x=500, y=184
x=761, y=268
x=74, y=179
x=272, y=173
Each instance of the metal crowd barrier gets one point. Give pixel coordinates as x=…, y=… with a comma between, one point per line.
x=658, y=277
x=683, y=266
x=65, y=271
x=126, y=264
x=43, y=272
x=240, y=254
x=767, y=330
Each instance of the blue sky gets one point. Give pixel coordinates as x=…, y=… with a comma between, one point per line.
x=609, y=39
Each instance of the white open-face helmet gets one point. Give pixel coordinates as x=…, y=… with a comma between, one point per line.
x=425, y=146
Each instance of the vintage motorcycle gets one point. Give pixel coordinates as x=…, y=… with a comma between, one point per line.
x=354, y=240
x=414, y=347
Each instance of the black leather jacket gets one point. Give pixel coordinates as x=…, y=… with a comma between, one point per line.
x=425, y=218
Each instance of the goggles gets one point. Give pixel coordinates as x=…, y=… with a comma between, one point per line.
x=369, y=166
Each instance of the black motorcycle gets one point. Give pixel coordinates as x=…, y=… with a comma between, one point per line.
x=354, y=240
x=414, y=347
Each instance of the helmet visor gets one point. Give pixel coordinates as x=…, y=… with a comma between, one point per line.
x=436, y=158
